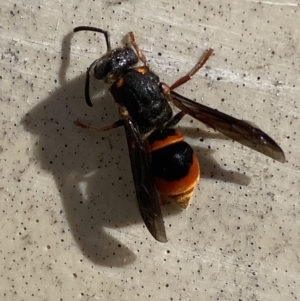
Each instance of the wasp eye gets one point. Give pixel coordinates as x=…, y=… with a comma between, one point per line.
x=102, y=69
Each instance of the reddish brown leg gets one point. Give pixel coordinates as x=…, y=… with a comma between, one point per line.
x=99, y=129
x=123, y=113
x=137, y=49
x=199, y=65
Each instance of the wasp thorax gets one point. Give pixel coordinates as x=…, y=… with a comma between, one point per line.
x=113, y=64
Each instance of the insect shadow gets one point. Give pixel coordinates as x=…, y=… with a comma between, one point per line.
x=92, y=171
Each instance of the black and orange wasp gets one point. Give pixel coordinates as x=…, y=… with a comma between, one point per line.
x=164, y=167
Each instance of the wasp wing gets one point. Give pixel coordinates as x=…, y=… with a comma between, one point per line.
x=147, y=196
x=236, y=129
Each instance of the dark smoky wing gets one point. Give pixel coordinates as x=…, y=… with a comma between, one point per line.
x=147, y=196
x=236, y=129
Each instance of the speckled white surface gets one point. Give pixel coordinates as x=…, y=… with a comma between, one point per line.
x=70, y=229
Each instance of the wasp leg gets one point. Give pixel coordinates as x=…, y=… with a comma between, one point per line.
x=137, y=49
x=198, y=66
x=99, y=129
x=175, y=119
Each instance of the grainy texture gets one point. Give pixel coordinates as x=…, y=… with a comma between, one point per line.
x=70, y=228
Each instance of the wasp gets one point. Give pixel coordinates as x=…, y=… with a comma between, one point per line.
x=164, y=166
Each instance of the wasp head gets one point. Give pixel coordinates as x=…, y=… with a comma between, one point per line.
x=113, y=64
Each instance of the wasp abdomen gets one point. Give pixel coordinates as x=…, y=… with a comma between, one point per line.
x=174, y=166
x=172, y=162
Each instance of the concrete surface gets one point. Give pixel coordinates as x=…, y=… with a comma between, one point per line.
x=70, y=228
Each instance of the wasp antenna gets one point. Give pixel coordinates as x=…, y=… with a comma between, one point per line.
x=87, y=88
x=90, y=28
